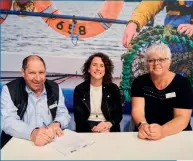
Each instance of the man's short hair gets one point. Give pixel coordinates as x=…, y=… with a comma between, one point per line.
x=25, y=61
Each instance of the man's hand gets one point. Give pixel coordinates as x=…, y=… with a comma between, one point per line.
x=156, y=132
x=186, y=29
x=42, y=136
x=129, y=34
x=55, y=126
x=102, y=127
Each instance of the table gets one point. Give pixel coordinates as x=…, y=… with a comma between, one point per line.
x=116, y=146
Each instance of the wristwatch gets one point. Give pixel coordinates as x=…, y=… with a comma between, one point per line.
x=140, y=124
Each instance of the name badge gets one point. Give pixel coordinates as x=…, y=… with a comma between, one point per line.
x=52, y=106
x=171, y=95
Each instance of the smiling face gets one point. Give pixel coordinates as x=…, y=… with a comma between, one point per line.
x=34, y=74
x=97, y=69
x=158, y=63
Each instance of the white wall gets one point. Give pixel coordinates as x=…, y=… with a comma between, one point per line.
x=55, y=64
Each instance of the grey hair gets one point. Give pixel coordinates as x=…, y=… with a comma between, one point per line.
x=158, y=48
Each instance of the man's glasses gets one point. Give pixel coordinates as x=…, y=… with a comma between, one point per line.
x=160, y=60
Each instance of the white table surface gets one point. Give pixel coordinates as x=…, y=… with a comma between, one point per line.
x=111, y=146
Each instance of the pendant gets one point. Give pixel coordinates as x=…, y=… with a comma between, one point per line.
x=96, y=115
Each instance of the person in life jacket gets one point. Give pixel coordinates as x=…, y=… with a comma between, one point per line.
x=179, y=15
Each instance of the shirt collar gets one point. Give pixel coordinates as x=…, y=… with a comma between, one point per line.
x=28, y=90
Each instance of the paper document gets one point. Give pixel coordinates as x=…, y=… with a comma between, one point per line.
x=70, y=142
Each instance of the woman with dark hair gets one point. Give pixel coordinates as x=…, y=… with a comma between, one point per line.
x=97, y=101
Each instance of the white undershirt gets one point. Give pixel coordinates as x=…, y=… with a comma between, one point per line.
x=95, y=102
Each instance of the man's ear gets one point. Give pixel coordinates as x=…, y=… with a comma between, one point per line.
x=22, y=72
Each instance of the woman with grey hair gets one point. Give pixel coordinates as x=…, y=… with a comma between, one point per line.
x=161, y=100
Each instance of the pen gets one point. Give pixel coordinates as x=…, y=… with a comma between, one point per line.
x=44, y=124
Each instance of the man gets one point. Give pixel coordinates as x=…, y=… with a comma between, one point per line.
x=179, y=14
x=32, y=107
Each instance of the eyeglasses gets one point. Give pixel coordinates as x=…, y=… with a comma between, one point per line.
x=160, y=60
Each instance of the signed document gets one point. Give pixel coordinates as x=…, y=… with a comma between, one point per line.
x=70, y=142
